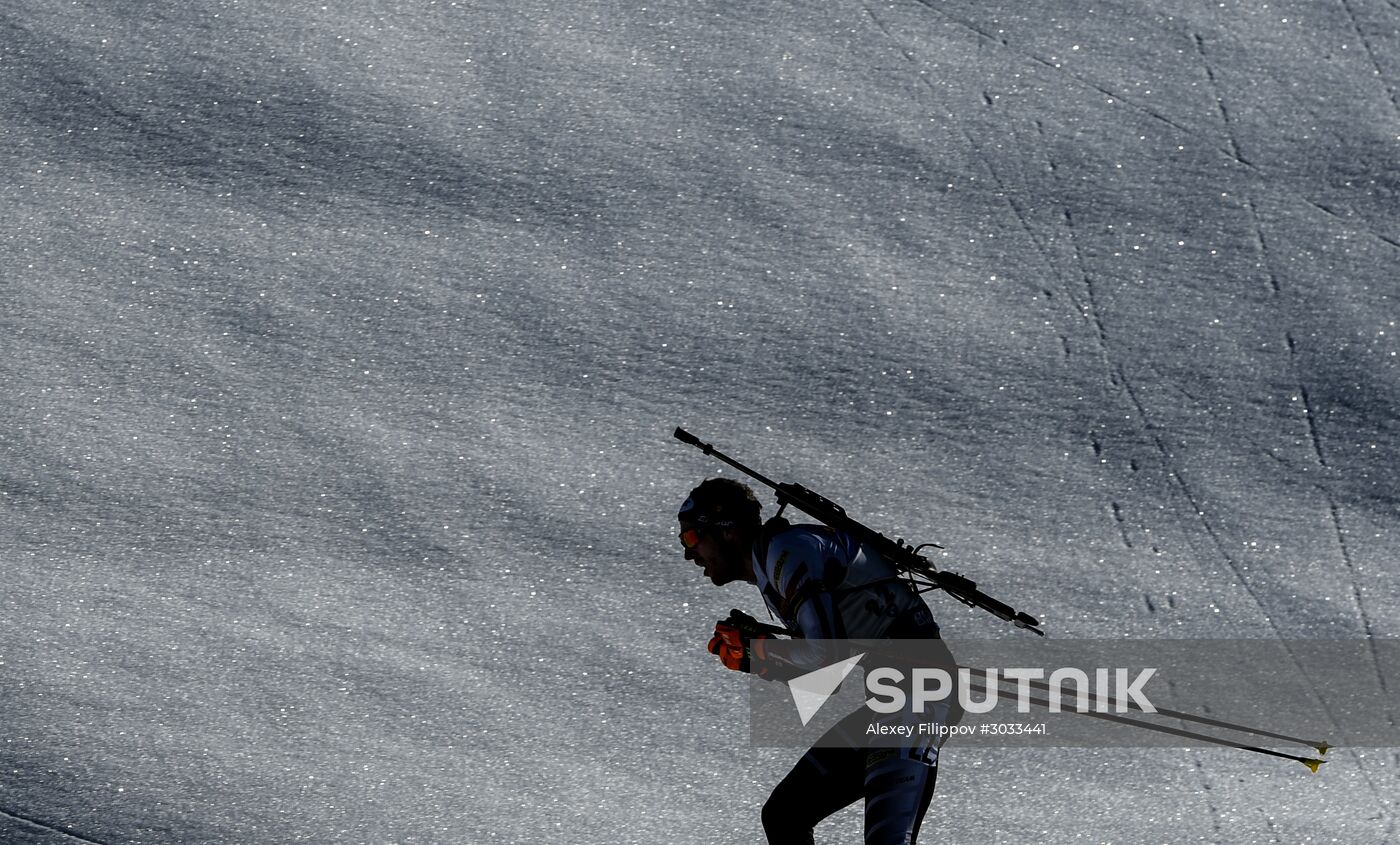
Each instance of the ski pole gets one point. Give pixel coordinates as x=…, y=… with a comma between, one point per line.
x=1311, y=762
x=1321, y=747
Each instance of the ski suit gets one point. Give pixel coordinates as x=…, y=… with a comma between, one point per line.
x=824, y=584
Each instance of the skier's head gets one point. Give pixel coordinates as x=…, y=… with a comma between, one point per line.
x=719, y=521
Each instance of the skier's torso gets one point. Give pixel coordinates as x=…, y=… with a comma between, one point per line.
x=825, y=584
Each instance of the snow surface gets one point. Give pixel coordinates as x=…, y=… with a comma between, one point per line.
x=342, y=346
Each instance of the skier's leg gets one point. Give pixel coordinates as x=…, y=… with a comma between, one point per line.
x=897, y=794
x=822, y=782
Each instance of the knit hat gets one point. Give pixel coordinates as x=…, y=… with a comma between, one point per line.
x=720, y=501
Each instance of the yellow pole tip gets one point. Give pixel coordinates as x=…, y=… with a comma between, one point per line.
x=1312, y=764
x=1322, y=747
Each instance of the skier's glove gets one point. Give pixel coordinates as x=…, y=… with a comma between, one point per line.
x=735, y=646
x=751, y=626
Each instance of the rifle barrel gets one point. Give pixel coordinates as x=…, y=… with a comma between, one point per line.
x=691, y=440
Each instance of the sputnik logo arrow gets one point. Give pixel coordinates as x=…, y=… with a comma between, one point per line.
x=810, y=691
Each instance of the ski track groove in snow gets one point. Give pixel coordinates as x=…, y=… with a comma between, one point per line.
x=1114, y=369
x=1079, y=307
x=1090, y=306
x=1003, y=192
x=1123, y=529
x=1218, y=95
x=1016, y=209
x=1232, y=152
x=1371, y=54
x=1309, y=415
x=1263, y=246
x=29, y=820
x=1350, y=220
x=1355, y=587
x=1059, y=69
x=1371, y=642
x=1210, y=802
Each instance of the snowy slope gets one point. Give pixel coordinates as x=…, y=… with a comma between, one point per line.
x=343, y=345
